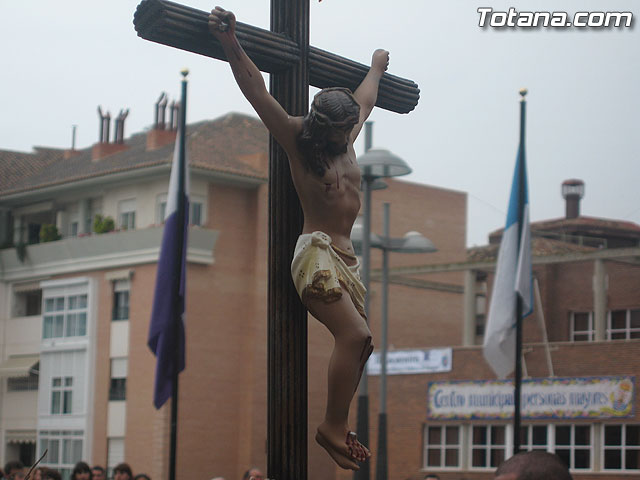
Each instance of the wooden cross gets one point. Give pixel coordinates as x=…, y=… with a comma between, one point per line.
x=284, y=52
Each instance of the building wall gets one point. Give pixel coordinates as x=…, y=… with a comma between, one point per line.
x=565, y=287
x=407, y=400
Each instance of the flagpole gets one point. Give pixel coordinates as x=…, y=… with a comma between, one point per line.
x=517, y=415
x=177, y=278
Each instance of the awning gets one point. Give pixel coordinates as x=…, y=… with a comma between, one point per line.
x=26, y=287
x=18, y=365
x=20, y=436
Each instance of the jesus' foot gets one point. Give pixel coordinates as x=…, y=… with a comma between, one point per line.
x=359, y=451
x=335, y=444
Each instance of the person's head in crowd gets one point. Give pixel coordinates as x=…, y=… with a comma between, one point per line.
x=50, y=474
x=98, y=473
x=253, y=473
x=534, y=465
x=431, y=476
x=82, y=471
x=37, y=473
x=122, y=471
x=142, y=476
x=14, y=470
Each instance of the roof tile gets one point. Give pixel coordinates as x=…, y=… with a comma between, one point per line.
x=234, y=143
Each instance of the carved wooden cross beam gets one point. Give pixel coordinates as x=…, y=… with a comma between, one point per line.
x=285, y=53
x=186, y=28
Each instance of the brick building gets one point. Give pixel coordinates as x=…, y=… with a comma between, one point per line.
x=580, y=352
x=77, y=376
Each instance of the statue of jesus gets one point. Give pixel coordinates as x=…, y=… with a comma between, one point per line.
x=326, y=176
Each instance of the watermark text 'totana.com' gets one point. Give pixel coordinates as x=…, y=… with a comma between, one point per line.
x=559, y=19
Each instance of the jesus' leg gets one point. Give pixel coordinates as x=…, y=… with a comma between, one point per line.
x=351, y=349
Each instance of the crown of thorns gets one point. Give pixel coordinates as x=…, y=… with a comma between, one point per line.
x=324, y=119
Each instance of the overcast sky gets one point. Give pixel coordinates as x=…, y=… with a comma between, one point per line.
x=60, y=60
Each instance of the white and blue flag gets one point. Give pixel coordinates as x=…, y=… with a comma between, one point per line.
x=513, y=277
x=166, y=331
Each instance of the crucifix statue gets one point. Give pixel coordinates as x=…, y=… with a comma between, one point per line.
x=311, y=154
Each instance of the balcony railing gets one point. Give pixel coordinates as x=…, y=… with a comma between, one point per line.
x=109, y=250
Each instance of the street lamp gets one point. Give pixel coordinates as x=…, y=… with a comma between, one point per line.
x=411, y=242
x=374, y=164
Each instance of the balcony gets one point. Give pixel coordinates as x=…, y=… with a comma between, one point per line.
x=108, y=250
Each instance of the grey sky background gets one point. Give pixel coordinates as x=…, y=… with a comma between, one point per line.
x=60, y=60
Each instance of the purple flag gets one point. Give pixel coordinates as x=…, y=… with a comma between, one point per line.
x=166, y=331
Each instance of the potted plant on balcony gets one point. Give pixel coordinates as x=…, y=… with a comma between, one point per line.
x=103, y=224
x=49, y=233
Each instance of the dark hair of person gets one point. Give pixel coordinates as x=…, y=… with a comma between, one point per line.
x=123, y=468
x=535, y=465
x=247, y=474
x=332, y=109
x=142, y=476
x=99, y=468
x=11, y=466
x=81, y=467
x=50, y=474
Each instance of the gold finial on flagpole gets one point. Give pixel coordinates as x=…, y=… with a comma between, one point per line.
x=523, y=93
x=184, y=72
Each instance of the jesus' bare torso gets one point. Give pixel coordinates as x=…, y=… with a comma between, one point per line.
x=330, y=202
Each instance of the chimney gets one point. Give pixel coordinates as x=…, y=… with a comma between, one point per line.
x=158, y=137
x=72, y=152
x=174, y=108
x=118, y=134
x=103, y=147
x=572, y=191
x=161, y=106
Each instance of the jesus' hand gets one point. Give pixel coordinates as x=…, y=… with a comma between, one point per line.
x=222, y=21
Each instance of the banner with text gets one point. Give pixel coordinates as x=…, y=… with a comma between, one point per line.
x=574, y=397
x=407, y=362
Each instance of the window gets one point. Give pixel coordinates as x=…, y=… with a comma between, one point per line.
x=24, y=384
x=480, y=306
x=161, y=208
x=442, y=446
x=65, y=316
x=534, y=437
x=621, y=447
x=118, y=383
x=196, y=210
x=65, y=449
x=115, y=453
x=33, y=233
x=118, y=389
x=27, y=303
x=195, y=217
x=127, y=209
x=488, y=445
x=582, y=327
x=61, y=395
x=481, y=313
x=623, y=324
x=120, y=300
x=574, y=446
x=53, y=321
x=73, y=229
x=90, y=210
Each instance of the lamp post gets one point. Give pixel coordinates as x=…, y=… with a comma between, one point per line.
x=374, y=165
x=411, y=242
